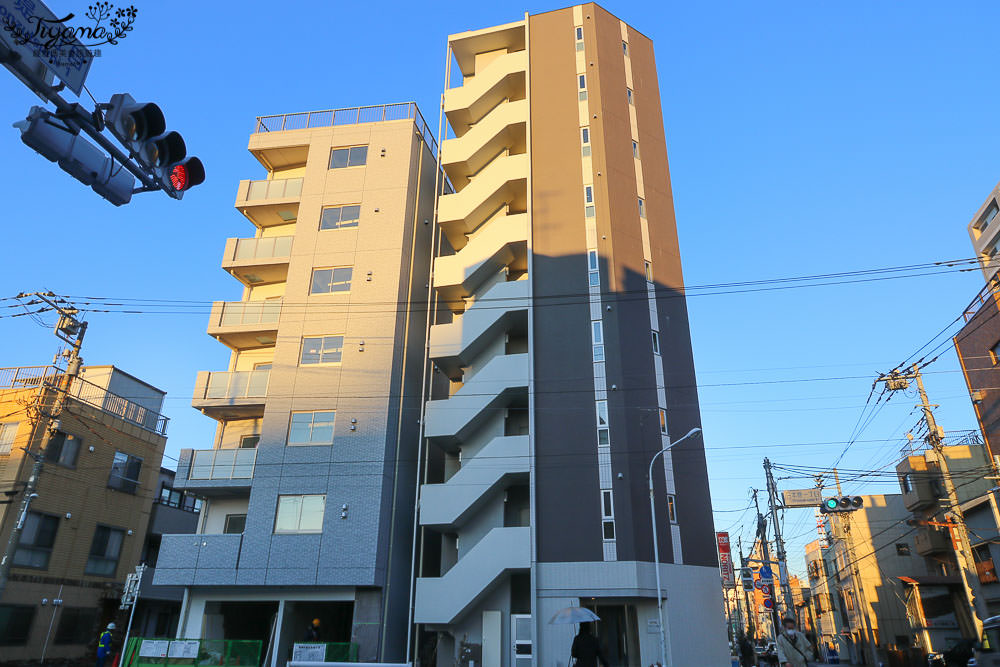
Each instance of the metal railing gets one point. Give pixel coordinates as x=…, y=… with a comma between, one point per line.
x=237, y=313
x=980, y=300
x=263, y=248
x=274, y=189
x=223, y=464
x=348, y=116
x=237, y=384
x=86, y=392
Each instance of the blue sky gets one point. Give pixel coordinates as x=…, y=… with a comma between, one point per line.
x=803, y=138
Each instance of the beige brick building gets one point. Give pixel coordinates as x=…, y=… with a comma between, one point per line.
x=84, y=531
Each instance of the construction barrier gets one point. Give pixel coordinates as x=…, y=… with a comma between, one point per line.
x=158, y=652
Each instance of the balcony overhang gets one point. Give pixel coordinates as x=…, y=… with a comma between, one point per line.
x=465, y=45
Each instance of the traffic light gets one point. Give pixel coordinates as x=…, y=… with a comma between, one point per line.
x=87, y=163
x=142, y=129
x=841, y=504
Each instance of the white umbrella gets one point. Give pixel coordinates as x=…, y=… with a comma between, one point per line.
x=574, y=615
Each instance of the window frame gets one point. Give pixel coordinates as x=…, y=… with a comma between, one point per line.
x=635, y=149
x=672, y=508
x=7, y=447
x=235, y=516
x=57, y=457
x=597, y=336
x=601, y=409
x=995, y=352
x=585, y=141
x=663, y=421
x=88, y=568
x=351, y=223
x=322, y=351
x=332, y=282
x=19, y=612
x=312, y=428
x=299, y=530
x=656, y=341
x=648, y=267
x=35, y=548
x=352, y=152
x=630, y=96
x=625, y=48
x=642, y=207
x=248, y=436
x=125, y=484
x=903, y=549
x=73, y=628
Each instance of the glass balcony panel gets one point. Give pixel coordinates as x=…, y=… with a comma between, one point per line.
x=257, y=384
x=201, y=466
x=244, y=463
x=293, y=187
x=258, y=190
x=223, y=466
x=218, y=385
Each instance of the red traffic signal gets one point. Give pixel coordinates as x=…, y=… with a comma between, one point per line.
x=186, y=174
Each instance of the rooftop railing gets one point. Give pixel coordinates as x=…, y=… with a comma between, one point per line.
x=988, y=292
x=86, y=392
x=348, y=116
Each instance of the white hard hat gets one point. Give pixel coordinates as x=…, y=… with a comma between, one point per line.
x=111, y=626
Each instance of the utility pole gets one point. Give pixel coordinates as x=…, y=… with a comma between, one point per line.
x=772, y=496
x=746, y=594
x=70, y=330
x=963, y=552
x=762, y=534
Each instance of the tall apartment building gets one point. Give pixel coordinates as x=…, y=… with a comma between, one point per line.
x=978, y=342
x=562, y=360
x=84, y=531
x=310, y=480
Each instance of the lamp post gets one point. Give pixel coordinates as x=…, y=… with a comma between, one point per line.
x=656, y=545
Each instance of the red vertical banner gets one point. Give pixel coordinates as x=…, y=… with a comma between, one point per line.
x=726, y=560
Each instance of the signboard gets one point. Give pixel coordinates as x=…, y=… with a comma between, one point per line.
x=652, y=626
x=746, y=574
x=184, y=648
x=68, y=59
x=725, y=560
x=309, y=653
x=153, y=648
x=765, y=573
x=802, y=497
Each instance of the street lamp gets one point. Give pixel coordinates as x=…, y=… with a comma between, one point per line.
x=656, y=544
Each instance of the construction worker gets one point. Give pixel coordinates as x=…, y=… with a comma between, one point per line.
x=312, y=632
x=104, y=645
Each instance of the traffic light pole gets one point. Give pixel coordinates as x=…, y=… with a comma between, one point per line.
x=746, y=593
x=762, y=534
x=45, y=421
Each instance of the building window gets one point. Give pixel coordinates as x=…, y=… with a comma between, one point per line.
x=300, y=514
x=37, y=539
x=629, y=96
x=76, y=625
x=585, y=140
x=663, y=421
x=104, y=551
x=355, y=156
x=624, y=47
x=642, y=207
x=995, y=353
x=249, y=441
x=15, y=623
x=609, y=530
x=603, y=437
x=672, y=507
x=579, y=33
x=340, y=217
x=170, y=497
x=635, y=149
x=905, y=483
x=902, y=549
x=607, y=504
x=597, y=332
x=987, y=217
x=582, y=81
x=649, y=271
x=593, y=270
x=125, y=471
x=235, y=524
x=602, y=414
x=62, y=449
x=8, y=432
x=588, y=194
x=322, y=350
x=656, y=342
x=328, y=281
x=311, y=428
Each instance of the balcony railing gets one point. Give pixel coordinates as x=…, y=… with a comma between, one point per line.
x=981, y=299
x=987, y=572
x=237, y=384
x=263, y=248
x=278, y=188
x=223, y=464
x=348, y=116
x=85, y=392
x=237, y=313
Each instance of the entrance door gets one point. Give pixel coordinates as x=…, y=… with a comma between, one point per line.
x=521, y=649
x=618, y=633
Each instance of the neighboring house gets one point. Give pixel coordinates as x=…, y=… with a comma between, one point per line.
x=85, y=529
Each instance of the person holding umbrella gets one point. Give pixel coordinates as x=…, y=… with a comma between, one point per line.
x=586, y=648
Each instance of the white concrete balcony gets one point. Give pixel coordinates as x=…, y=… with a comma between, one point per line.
x=501, y=379
x=245, y=324
x=503, y=241
x=500, y=462
x=503, y=128
x=504, y=78
x=270, y=202
x=257, y=261
x=443, y=600
x=504, y=181
x=502, y=308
